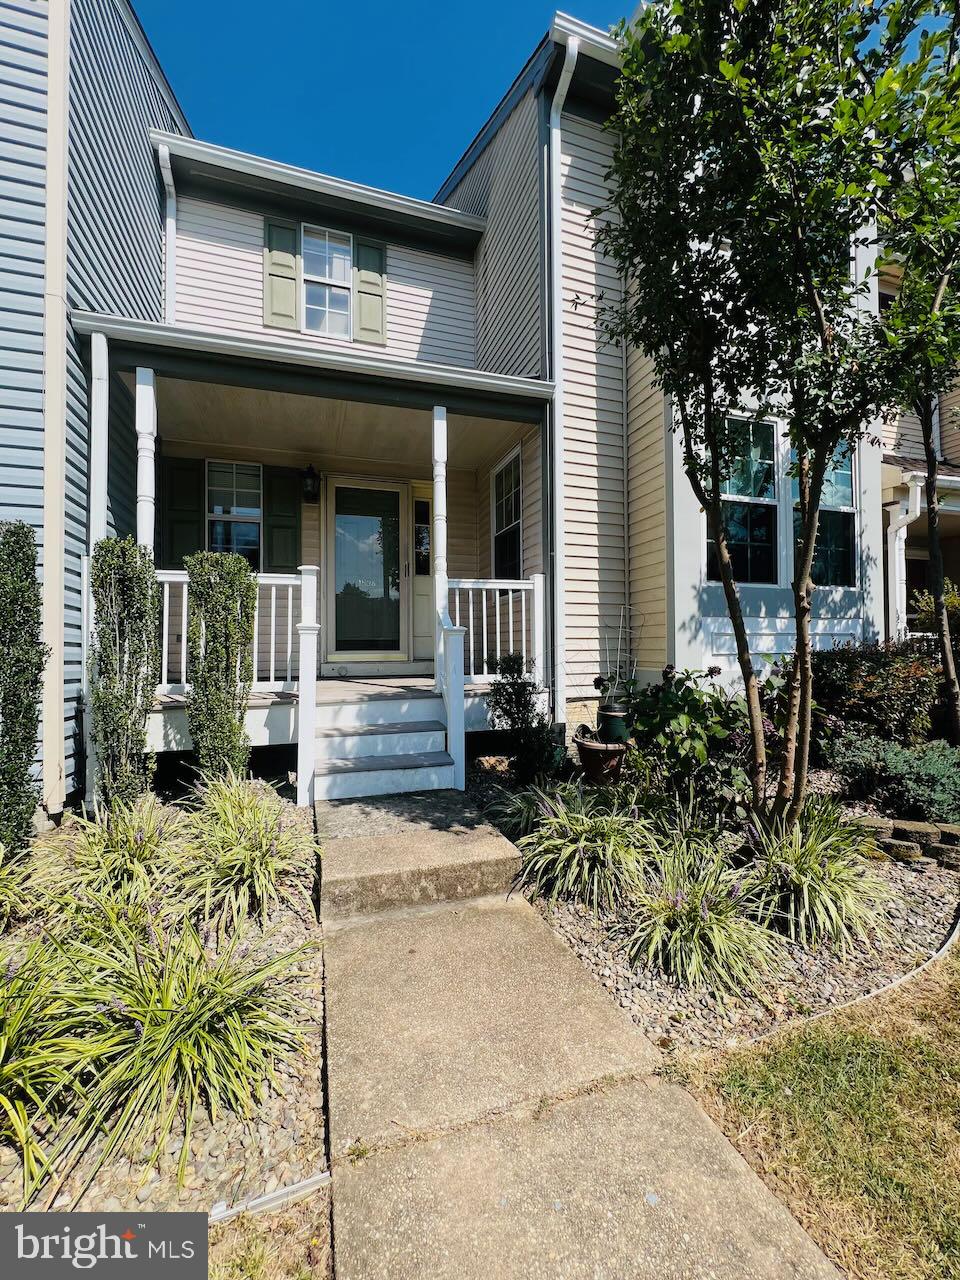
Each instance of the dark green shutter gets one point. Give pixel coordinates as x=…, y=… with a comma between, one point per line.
x=182, y=510
x=282, y=495
x=370, y=292
x=281, y=272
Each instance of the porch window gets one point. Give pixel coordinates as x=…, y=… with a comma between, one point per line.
x=235, y=509
x=834, y=558
x=506, y=518
x=750, y=509
x=327, y=281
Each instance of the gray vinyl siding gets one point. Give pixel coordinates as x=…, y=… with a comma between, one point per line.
x=593, y=420
x=114, y=264
x=503, y=186
x=122, y=463
x=430, y=297
x=950, y=425
x=23, y=109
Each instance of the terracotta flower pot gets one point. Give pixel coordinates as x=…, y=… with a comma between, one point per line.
x=601, y=761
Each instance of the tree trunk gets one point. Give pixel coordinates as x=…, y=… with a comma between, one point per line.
x=950, y=686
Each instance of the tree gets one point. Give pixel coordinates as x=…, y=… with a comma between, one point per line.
x=919, y=225
x=745, y=174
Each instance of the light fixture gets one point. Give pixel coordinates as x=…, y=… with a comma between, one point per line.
x=311, y=484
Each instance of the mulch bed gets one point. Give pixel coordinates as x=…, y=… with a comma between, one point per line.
x=922, y=909
x=282, y=1143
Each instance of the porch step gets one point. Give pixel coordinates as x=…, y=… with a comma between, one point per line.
x=411, y=737
x=382, y=775
x=378, y=709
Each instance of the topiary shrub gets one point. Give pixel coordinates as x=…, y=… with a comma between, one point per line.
x=22, y=659
x=514, y=703
x=223, y=600
x=124, y=666
x=891, y=688
x=906, y=782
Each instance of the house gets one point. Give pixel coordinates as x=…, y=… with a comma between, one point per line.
x=392, y=407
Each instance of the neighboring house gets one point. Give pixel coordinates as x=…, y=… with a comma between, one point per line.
x=393, y=407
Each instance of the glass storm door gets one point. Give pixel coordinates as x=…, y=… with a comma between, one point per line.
x=368, y=538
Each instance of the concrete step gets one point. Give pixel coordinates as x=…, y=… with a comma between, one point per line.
x=378, y=708
x=346, y=742
x=363, y=875
x=373, y=775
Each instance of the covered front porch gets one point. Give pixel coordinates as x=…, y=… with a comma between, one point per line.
x=397, y=543
x=907, y=550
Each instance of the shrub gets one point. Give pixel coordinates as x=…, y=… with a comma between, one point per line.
x=891, y=688
x=245, y=856
x=514, y=701
x=124, y=665
x=22, y=659
x=926, y=618
x=691, y=728
x=906, y=782
x=132, y=854
x=815, y=882
x=223, y=597
x=693, y=918
x=586, y=856
x=170, y=1028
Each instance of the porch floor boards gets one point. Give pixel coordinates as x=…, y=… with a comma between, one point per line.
x=358, y=689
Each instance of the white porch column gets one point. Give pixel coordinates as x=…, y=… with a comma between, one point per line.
x=146, y=423
x=99, y=439
x=308, y=630
x=440, y=588
x=897, y=561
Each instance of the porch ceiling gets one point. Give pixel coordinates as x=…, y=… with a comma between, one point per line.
x=303, y=428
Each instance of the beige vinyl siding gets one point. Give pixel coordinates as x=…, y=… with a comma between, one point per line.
x=646, y=513
x=593, y=425
x=950, y=425
x=503, y=186
x=430, y=298
x=904, y=436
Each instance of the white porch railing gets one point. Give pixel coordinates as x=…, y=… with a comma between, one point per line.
x=276, y=656
x=499, y=616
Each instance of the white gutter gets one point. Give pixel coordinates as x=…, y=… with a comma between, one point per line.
x=309, y=182
x=150, y=334
x=556, y=369
x=169, y=236
x=897, y=559
x=596, y=43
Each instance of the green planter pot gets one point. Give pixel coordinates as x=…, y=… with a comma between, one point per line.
x=612, y=724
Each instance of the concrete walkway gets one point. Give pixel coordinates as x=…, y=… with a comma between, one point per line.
x=492, y=1112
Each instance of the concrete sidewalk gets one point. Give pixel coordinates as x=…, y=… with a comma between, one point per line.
x=494, y=1114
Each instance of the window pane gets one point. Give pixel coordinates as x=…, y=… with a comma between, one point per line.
x=837, y=482
x=314, y=253
x=220, y=502
x=234, y=535
x=506, y=554
x=338, y=258
x=507, y=495
x=421, y=537
x=753, y=472
x=751, y=529
x=834, y=557
x=367, y=561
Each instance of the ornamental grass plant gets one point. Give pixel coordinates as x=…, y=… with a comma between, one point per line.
x=586, y=856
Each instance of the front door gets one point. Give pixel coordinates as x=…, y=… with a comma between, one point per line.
x=423, y=605
x=367, y=537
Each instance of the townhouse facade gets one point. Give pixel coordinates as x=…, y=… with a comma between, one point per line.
x=402, y=412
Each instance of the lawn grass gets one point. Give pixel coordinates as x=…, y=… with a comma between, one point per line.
x=292, y=1244
x=854, y=1121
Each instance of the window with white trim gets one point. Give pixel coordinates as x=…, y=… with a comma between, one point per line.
x=327, y=281
x=235, y=509
x=750, y=499
x=505, y=518
x=835, y=555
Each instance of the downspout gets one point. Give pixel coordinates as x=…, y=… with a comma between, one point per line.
x=896, y=547
x=556, y=344
x=170, y=237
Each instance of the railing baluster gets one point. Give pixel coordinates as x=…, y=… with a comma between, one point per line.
x=289, y=633
x=523, y=627
x=496, y=596
x=165, y=642
x=485, y=656
x=510, y=616
x=183, y=634
x=456, y=607
x=273, y=632
x=470, y=625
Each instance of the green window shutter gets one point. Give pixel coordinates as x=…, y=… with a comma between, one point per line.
x=282, y=495
x=281, y=274
x=370, y=291
x=181, y=510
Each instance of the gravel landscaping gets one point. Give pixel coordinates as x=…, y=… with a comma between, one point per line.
x=922, y=909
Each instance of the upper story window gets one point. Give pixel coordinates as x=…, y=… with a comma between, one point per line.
x=235, y=509
x=327, y=282
x=505, y=518
x=835, y=555
x=750, y=498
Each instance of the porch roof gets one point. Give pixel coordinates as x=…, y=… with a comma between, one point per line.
x=209, y=355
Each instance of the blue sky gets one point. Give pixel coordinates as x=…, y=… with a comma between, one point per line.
x=388, y=94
